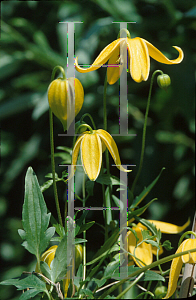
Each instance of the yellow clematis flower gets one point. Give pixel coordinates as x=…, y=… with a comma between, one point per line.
x=177, y=263
x=144, y=252
x=49, y=255
x=139, y=53
x=91, y=146
x=60, y=97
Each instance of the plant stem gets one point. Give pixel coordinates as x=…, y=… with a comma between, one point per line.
x=106, y=153
x=130, y=286
x=144, y=131
x=92, y=121
x=53, y=168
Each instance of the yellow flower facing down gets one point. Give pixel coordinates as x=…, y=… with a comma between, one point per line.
x=144, y=252
x=49, y=255
x=177, y=263
x=139, y=53
x=61, y=96
x=91, y=146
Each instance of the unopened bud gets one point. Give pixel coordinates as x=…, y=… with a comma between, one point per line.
x=61, y=94
x=163, y=81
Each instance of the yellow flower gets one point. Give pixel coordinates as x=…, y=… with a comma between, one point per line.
x=144, y=252
x=139, y=53
x=91, y=146
x=61, y=93
x=177, y=263
x=49, y=255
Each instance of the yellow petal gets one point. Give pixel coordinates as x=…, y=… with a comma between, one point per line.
x=175, y=269
x=168, y=227
x=48, y=256
x=91, y=155
x=139, y=59
x=112, y=147
x=113, y=73
x=75, y=153
x=143, y=251
x=157, y=55
x=188, y=245
x=101, y=58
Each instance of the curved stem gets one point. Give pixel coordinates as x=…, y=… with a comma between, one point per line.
x=88, y=115
x=58, y=68
x=53, y=168
x=75, y=136
x=144, y=131
x=184, y=234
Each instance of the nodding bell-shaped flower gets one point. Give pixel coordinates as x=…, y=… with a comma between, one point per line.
x=177, y=263
x=138, y=58
x=91, y=146
x=144, y=252
x=61, y=96
x=49, y=255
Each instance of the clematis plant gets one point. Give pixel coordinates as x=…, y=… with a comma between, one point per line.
x=139, y=53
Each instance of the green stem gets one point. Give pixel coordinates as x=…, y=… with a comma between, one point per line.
x=53, y=168
x=92, y=121
x=130, y=286
x=144, y=131
x=75, y=136
x=58, y=68
x=106, y=151
x=153, y=265
x=184, y=234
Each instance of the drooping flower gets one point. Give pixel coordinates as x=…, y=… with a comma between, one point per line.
x=61, y=96
x=177, y=263
x=91, y=145
x=49, y=255
x=144, y=252
x=139, y=53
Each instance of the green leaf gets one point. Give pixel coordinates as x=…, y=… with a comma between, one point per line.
x=86, y=226
x=140, y=211
x=148, y=276
x=62, y=259
x=108, y=206
x=29, y=294
x=156, y=232
x=35, y=218
x=167, y=245
x=145, y=191
x=45, y=269
x=87, y=293
x=80, y=221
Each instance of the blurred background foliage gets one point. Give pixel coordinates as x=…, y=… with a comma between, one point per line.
x=32, y=44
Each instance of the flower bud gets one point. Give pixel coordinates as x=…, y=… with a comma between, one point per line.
x=160, y=292
x=163, y=81
x=61, y=96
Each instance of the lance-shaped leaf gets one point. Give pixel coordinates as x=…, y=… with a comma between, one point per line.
x=61, y=261
x=35, y=218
